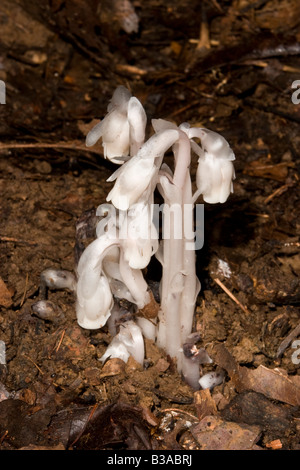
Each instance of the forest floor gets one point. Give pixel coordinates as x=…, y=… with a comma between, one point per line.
x=60, y=62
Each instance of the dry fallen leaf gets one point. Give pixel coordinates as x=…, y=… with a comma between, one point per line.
x=204, y=403
x=212, y=433
x=5, y=295
x=273, y=383
x=266, y=169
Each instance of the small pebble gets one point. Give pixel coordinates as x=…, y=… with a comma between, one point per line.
x=211, y=379
x=43, y=167
x=47, y=310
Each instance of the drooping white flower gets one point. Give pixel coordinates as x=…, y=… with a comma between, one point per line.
x=123, y=128
x=128, y=342
x=215, y=171
x=214, y=178
x=131, y=336
x=139, y=235
x=116, y=349
x=134, y=178
x=94, y=297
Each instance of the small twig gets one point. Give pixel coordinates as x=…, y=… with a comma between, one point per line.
x=231, y=295
x=25, y=291
x=56, y=333
x=278, y=192
x=287, y=341
x=38, y=368
x=176, y=410
x=73, y=145
x=204, y=39
x=17, y=240
x=3, y=437
x=184, y=108
x=60, y=341
x=256, y=214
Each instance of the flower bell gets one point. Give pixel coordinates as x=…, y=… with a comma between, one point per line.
x=123, y=128
x=140, y=240
x=215, y=171
x=214, y=178
x=134, y=179
x=94, y=296
x=128, y=342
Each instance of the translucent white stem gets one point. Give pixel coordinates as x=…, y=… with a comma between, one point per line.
x=179, y=285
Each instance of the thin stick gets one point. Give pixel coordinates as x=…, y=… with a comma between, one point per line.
x=287, y=341
x=204, y=40
x=176, y=410
x=73, y=145
x=60, y=341
x=16, y=240
x=25, y=291
x=230, y=295
x=3, y=437
x=38, y=368
x=278, y=192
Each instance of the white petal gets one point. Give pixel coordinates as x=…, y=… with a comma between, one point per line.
x=116, y=349
x=131, y=336
x=137, y=122
x=94, y=134
x=94, y=311
x=214, y=178
x=133, y=179
x=162, y=125
x=119, y=99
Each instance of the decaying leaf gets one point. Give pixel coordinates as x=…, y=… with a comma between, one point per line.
x=5, y=295
x=265, y=169
x=22, y=424
x=94, y=428
x=256, y=409
x=204, y=403
x=272, y=383
x=212, y=433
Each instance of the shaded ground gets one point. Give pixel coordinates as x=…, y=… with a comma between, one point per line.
x=61, y=61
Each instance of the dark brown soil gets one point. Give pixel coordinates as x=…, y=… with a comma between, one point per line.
x=61, y=62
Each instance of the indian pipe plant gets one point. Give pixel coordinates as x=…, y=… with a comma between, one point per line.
x=128, y=234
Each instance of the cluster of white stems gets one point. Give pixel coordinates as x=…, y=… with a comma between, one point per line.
x=112, y=266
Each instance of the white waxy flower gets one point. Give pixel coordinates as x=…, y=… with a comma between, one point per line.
x=128, y=342
x=214, y=178
x=94, y=296
x=134, y=178
x=211, y=379
x=116, y=349
x=215, y=171
x=123, y=128
x=131, y=336
x=58, y=279
x=140, y=237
